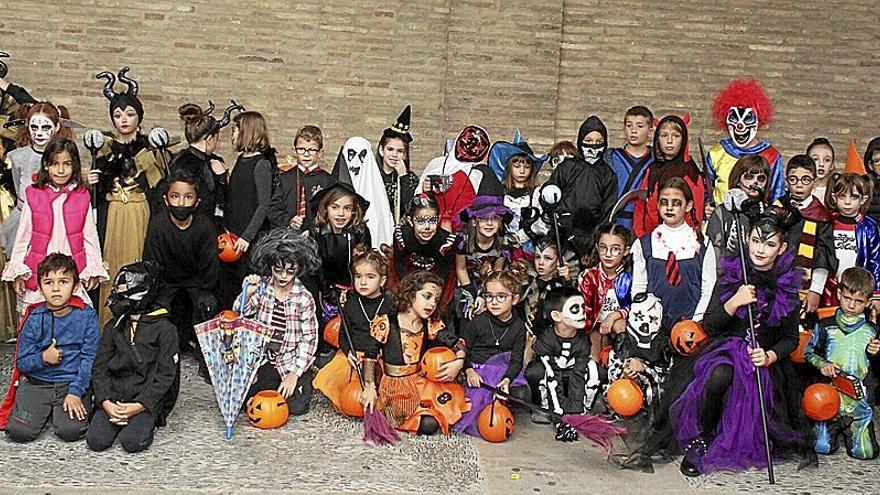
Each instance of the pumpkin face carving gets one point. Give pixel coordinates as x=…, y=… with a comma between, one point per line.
x=267, y=410
x=226, y=247
x=688, y=337
x=496, y=423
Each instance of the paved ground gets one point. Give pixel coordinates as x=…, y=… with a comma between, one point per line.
x=322, y=452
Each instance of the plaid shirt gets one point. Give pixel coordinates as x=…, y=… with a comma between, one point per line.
x=297, y=352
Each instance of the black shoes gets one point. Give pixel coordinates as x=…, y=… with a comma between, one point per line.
x=689, y=469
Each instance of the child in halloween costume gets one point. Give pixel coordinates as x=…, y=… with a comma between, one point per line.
x=588, y=185
x=562, y=376
x=631, y=162
x=742, y=107
x=546, y=274
x=641, y=352
x=606, y=285
x=363, y=306
x=275, y=297
x=871, y=161
x=822, y=154
x=458, y=177
x=402, y=338
x=291, y=200
x=517, y=167
x=672, y=158
x=392, y=155
x=356, y=165
x=840, y=346
x=856, y=238
x=674, y=262
x=56, y=217
x=124, y=180
x=495, y=341
x=136, y=374
x=56, y=349
x=481, y=250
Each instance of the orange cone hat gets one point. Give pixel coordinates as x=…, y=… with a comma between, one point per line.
x=854, y=163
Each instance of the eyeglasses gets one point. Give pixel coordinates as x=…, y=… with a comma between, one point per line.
x=500, y=297
x=426, y=221
x=757, y=177
x=307, y=151
x=805, y=180
x=612, y=250
x=279, y=271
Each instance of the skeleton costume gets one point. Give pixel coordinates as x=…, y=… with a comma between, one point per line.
x=741, y=108
x=642, y=340
x=130, y=174
x=356, y=165
x=399, y=188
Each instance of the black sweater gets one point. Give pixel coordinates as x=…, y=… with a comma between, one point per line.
x=482, y=333
x=188, y=257
x=247, y=199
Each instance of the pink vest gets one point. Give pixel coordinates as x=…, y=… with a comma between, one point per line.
x=74, y=209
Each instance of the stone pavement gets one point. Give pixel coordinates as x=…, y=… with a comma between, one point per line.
x=322, y=452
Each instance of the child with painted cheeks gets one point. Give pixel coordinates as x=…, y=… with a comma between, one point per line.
x=749, y=175
x=481, y=250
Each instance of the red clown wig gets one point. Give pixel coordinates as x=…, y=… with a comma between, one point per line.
x=748, y=93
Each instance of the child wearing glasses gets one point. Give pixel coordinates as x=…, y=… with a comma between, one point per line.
x=856, y=239
x=675, y=262
x=606, y=285
x=495, y=341
x=290, y=205
x=276, y=297
x=813, y=235
x=749, y=175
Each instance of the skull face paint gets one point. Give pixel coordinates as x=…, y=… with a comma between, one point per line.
x=742, y=125
x=643, y=322
x=573, y=313
x=41, y=130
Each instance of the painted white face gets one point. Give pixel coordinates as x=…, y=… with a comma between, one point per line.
x=573, y=313
x=643, y=322
x=356, y=154
x=41, y=129
x=742, y=125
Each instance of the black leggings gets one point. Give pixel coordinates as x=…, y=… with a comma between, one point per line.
x=714, y=398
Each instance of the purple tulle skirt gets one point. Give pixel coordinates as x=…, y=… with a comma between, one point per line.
x=739, y=441
x=491, y=372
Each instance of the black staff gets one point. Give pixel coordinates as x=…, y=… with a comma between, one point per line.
x=551, y=194
x=93, y=140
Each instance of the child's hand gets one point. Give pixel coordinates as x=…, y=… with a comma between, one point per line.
x=504, y=385
x=632, y=367
x=830, y=370
x=426, y=185
x=874, y=347
x=217, y=167
x=473, y=379
x=608, y=323
x=811, y=303
x=91, y=283
x=74, y=407
x=128, y=410
x=253, y=282
x=353, y=359
x=708, y=210
x=343, y=297
x=619, y=326
x=241, y=245
x=478, y=307
x=53, y=355
x=449, y=370
x=369, y=396
x=746, y=294
x=563, y=271
x=112, y=411
x=19, y=286
x=759, y=357
x=296, y=222
x=93, y=177
x=288, y=385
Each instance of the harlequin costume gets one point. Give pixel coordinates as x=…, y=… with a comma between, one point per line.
x=856, y=243
x=404, y=395
x=741, y=108
x=646, y=216
x=604, y=295
x=130, y=174
x=462, y=175
x=841, y=340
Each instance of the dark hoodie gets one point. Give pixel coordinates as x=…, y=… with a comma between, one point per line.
x=874, y=209
x=588, y=191
x=647, y=214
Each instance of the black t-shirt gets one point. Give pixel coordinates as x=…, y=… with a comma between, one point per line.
x=487, y=336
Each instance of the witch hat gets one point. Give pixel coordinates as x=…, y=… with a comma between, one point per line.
x=854, y=164
x=400, y=129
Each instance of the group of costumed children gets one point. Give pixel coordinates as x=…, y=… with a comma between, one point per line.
x=544, y=295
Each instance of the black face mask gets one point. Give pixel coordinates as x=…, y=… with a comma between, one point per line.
x=119, y=305
x=181, y=213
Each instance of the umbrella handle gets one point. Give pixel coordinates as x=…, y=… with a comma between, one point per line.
x=229, y=433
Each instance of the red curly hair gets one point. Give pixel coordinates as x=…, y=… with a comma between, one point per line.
x=742, y=93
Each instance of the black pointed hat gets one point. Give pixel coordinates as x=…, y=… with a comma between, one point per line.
x=400, y=129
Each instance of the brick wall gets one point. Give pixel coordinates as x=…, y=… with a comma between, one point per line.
x=350, y=66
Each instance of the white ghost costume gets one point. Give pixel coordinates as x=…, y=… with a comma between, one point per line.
x=356, y=165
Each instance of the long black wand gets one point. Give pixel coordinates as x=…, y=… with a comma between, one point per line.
x=754, y=342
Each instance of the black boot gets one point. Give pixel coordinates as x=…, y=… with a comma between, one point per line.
x=694, y=450
x=689, y=469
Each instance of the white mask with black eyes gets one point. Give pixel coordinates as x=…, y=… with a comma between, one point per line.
x=643, y=322
x=356, y=154
x=573, y=313
x=41, y=129
x=742, y=125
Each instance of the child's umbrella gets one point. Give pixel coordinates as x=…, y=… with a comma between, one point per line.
x=376, y=427
x=594, y=428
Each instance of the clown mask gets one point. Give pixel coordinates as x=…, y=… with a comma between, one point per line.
x=472, y=144
x=742, y=125
x=643, y=322
x=41, y=130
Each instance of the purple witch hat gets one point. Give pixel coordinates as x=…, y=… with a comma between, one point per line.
x=485, y=207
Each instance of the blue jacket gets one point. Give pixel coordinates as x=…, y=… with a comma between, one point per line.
x=629, y=172
x=868, y=248
x=76, y=333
